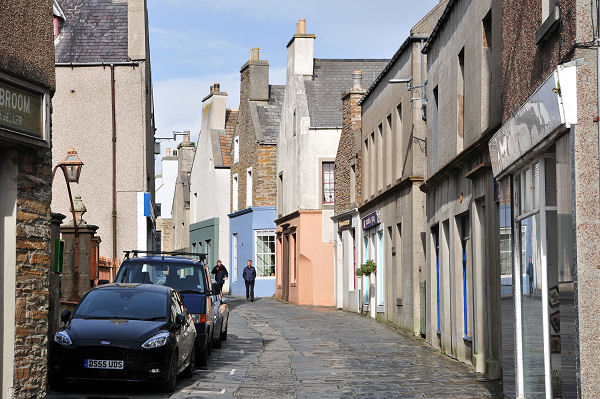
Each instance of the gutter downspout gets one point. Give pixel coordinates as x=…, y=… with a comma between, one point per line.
x=114, y=166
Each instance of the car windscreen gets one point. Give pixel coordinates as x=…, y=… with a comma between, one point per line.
x=185, y=278
x=122, y=303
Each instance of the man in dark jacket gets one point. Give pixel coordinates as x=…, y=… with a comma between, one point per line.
x=249, y=277
x=220, y=273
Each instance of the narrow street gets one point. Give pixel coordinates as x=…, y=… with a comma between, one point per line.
x=278, y=350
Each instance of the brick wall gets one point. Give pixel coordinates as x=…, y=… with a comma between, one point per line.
x=348, y=152
x=261, y=157
x=33, y=236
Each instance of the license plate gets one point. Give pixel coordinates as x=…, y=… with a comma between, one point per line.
x=103, y=364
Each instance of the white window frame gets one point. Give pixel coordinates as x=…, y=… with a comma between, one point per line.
x=234, y=193
x=234, y=256
x=249, y=187
x=272, y=233
x=236, y=149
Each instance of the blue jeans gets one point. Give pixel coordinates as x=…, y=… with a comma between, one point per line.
x=249, y=289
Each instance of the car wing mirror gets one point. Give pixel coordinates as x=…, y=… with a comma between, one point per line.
x=180, y=319
x=65, y=316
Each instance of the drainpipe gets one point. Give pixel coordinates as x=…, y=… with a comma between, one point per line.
x=114, y=165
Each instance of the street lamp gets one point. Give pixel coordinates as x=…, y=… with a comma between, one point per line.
x=71, y=168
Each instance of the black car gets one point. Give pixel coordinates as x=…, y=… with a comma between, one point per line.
x=188, y=276
x=125, y=332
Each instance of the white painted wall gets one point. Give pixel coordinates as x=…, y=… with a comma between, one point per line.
x=8, y=243
x=209, y=187
x=165, y=186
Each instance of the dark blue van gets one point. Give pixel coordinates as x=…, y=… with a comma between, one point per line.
x=188, y=276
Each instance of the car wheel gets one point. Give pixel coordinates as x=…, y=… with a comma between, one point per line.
x=169, y=385
x=202, y=356
x=217, y=342
x=224, y=334
x=57, y=382
x=189, y=370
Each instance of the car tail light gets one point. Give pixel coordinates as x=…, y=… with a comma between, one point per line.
x=199, y=317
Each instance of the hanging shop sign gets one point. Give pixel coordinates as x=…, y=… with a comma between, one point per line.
x=23, y=111
x=370, y=220
x=345, y=223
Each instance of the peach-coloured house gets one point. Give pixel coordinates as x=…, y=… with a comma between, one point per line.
x=309, y=133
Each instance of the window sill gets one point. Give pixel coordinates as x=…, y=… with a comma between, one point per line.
x=548, y=27
x=293, y=285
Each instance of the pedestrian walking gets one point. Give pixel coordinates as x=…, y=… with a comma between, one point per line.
x=249, y=277
x=529, y=272
x=220, y=273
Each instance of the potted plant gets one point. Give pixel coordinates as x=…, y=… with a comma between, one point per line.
x=367, y=268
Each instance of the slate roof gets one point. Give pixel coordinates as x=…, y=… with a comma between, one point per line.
x=93, y=31
x=226, y=139
x=330, y=78
x=269, y=114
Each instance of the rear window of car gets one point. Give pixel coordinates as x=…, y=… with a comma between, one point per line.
x=180, y=276
x=121, y=303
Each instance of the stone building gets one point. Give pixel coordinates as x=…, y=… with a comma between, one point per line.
x=545, y=158
x=463, y=111
x=309, y=133
x=180, y=210
x=103, y=107
x=253, y=178
x=209, y=198
x=27, y=83
x=347, y=194
x=165, y=189
x=390, y=216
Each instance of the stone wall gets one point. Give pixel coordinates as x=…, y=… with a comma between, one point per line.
x=348, y=153
x=33, y=236
x=262, y=158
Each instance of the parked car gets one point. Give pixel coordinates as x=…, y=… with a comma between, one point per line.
x=125, y=332
x=221, y=318
x=188, y=276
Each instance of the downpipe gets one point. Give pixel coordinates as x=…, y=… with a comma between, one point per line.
x=114, y=166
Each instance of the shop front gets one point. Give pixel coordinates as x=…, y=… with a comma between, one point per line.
x=347, y=260
x=531, y=160
x=373, y=284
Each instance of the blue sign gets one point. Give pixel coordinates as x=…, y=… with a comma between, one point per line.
x=370, y=220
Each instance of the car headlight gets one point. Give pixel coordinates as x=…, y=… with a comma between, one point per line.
x=62, y=338
x=156, y=341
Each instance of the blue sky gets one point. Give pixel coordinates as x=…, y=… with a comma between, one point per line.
x=194, y=43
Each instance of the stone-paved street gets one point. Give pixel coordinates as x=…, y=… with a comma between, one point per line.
x=278, y=350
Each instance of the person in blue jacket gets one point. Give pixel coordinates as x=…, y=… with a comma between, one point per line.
x=249, y=277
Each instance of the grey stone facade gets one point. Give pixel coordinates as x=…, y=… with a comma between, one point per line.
x=463, y=71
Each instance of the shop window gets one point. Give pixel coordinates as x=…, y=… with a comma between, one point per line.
x=327, y=183
x=265, y=253
x=234, y=256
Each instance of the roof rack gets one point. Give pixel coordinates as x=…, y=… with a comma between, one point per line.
x=136, y=252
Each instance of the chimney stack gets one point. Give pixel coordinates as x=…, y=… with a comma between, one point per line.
x=254, y=54
x=357, y=79
x=301, y=27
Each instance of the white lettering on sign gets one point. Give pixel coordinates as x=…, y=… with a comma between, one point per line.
x=16, y=101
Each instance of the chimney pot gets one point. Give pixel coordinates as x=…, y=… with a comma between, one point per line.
x=217, y=87
x=186, y=137
x=357, y=79
x=168, y=152
x=301, y=26
x=254, y=54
